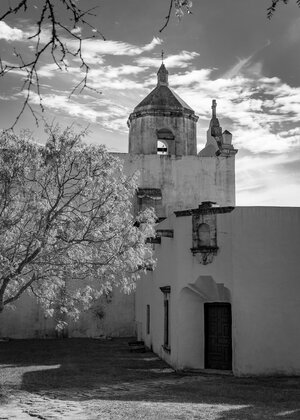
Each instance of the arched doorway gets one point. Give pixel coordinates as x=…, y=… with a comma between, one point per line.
x=204, y=330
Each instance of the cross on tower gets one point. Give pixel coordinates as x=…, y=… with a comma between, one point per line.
x=162, y=55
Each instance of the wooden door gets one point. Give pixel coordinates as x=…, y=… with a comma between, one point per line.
x=218, y=343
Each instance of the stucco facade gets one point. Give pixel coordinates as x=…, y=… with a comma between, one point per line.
x=184, y=181
x=255, y=271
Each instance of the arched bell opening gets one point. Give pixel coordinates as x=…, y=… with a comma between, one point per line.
x=165, y=142
x=162, y=148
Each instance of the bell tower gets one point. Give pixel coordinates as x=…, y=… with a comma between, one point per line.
x=163, y=151
x=162, y=123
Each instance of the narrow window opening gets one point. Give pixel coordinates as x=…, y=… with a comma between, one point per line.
x=166, y=324
x=148, y=319
x=167, y=332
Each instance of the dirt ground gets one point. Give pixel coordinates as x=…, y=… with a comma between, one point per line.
x=98, y=379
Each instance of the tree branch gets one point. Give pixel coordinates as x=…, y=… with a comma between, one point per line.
x=56, y=45
x=168, y=16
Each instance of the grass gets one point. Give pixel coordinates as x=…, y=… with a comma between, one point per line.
x=95, y=379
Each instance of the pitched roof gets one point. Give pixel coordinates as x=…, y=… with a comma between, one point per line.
x=163, y=97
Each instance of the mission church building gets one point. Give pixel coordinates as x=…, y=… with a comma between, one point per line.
x=225, y=292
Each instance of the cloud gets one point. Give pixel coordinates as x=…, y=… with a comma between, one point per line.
x=265, y=180
x=190, y=78
x=261, y=112
x=94, y=49
x=10, y=34
x=236, y=69
x=69, y=106
x=291, y=132
x=181, y=60
x=100, y=78
x=50, y=70
x=256, y=109
x=107, y=113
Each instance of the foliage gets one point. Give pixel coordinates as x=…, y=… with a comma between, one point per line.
x=67, y=232
x=272, y=9
x=181, y=6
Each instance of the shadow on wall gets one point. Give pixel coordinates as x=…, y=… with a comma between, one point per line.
x=84, y=369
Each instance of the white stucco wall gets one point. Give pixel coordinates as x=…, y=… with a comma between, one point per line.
x=185, y=181
x=266, y=290
x=257, y=270
x=178, y=268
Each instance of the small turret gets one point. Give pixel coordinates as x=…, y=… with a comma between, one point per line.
x=162, y=76
x=215, y=129
x=217, y=143
x=162, y=123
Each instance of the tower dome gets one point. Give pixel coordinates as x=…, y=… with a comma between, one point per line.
x=162, y=122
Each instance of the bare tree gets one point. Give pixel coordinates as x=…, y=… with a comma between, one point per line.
x=67, y=232
x=58, y=32
x=272, y=9
x=180, y=6
x=50, y=35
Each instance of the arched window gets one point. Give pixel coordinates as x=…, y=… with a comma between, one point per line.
x=165, y=142
x=204, y=234
x=162, y=148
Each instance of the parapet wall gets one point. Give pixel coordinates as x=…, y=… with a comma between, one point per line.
x=184, y=181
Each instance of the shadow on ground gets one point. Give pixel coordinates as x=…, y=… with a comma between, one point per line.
x=85, y=369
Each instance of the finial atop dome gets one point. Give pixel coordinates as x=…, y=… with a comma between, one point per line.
x=214, y=122
x=214, y=108
x=162, y=74
x=216, y=130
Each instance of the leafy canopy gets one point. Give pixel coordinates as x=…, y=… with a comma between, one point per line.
x=67, y=232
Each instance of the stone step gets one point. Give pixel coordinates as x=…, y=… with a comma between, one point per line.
x=137, y=346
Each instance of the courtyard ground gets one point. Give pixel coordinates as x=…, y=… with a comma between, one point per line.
x=96, y=379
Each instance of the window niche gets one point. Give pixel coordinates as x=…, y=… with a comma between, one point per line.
x=204, y=229
x=204, y=237
x=203, y=234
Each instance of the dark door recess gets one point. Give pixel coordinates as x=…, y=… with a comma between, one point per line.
x=218, y=343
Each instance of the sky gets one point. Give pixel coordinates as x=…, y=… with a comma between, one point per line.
x=225, y=50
